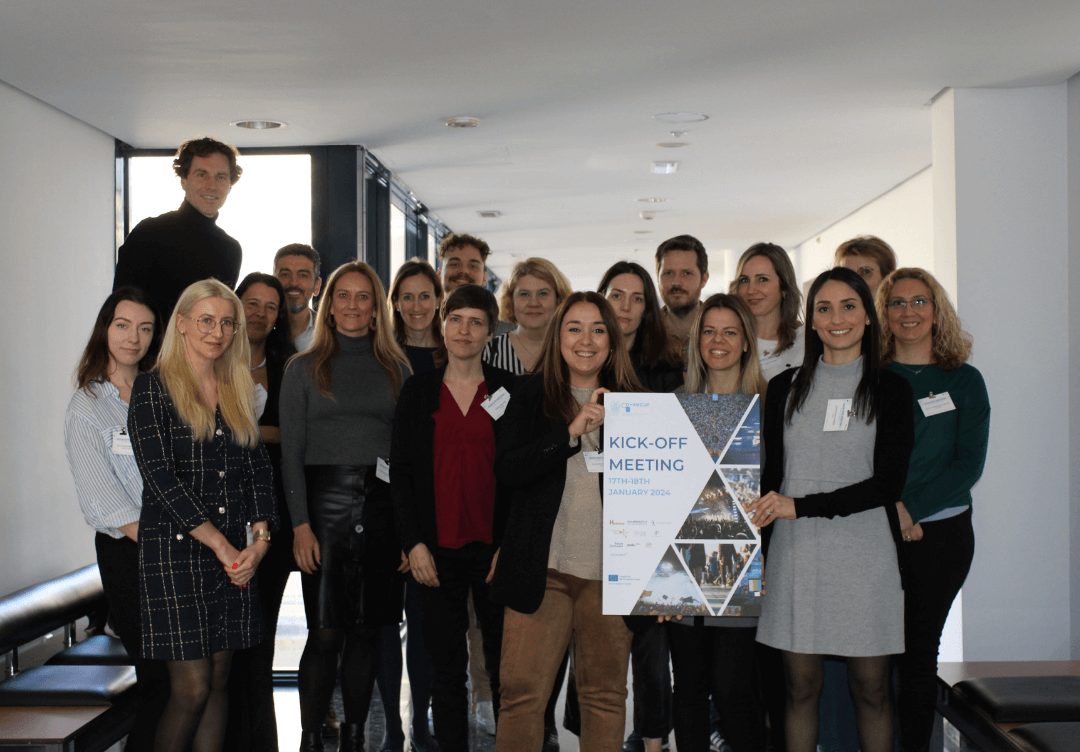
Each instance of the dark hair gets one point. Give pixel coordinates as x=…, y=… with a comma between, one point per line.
x=279, y=343
x=865, y=405
x=790, y=298
x=617, y=373
x=412, y=268
x=205, y=147
x=870, y=246
x=653, y=346
x=94, y=364
x=684, y=243
x=300, y=249
x=473, y=296
x=454, y=240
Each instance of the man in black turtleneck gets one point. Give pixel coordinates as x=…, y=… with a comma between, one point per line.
x=165, y=254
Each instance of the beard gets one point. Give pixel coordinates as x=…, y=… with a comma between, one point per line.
x=299, y=304
x=684, y=310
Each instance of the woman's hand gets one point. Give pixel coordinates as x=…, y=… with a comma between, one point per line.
x=494, y=561
x=243, y=568
x=911, y=530
x=404, y=566
x=590, y=416
x=305, y=549
x=667, y=617
x=770, y=507
x=423, y=566
x=270, y=434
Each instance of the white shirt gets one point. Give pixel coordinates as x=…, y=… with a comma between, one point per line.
x=773, y=364
x=303, y=341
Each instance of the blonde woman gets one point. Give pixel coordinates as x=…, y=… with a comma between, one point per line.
x=528, y=299
x=336, y=411
x=868, y=256
x=207, y=509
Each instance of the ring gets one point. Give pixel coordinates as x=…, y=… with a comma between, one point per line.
x=907, y=537
x=768, y=512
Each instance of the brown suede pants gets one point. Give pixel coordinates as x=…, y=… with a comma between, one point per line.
x=533, y=647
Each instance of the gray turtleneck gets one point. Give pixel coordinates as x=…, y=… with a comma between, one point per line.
x=353, y=428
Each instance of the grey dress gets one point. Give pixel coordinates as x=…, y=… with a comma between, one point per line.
x=833, y=584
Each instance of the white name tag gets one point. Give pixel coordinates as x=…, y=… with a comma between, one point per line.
x=594, y=461
x=121, y=442
x=837, y=415
x=496, y=403
x=260, y=401
x=382, y=470
x=936, y=403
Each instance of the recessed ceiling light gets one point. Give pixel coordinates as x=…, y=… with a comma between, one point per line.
x=664, y=168
x=258, y=125
x=680, y=117
x=647, y=215
x=672, y=144
x=677, y=134
x=643, y=232
x=463, y=122
x=489, y=213
x=652, y=200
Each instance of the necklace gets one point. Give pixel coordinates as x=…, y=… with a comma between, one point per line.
x=256, y=368
x=912, y=370
x=521, y=342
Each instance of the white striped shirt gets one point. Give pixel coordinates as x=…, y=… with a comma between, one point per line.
x=500, y=353
x=108, y=485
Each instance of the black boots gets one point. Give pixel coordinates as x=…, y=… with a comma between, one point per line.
x=352, y=737
x=311, y=741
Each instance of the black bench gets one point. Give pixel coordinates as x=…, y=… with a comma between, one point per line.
x=89, y=684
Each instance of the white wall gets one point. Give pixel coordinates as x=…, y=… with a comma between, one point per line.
x=903, y=217
x=1074, y=355
x=1012, y=269
x=56, y=211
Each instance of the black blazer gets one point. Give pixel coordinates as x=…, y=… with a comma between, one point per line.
x=412, y=457
x=892, y=451
x=530, y=458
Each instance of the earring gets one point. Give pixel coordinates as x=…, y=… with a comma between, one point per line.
x=868, y=321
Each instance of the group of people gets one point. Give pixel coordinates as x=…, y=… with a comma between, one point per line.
x=431, y=451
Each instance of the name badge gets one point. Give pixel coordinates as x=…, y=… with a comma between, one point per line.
x=260, y=401
x=936, y=403
x=594, y=461
x=838, y=415
x=121, y=442
x=496, y=403
x=382, y=470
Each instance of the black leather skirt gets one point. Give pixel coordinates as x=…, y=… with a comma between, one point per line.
x=351, y=515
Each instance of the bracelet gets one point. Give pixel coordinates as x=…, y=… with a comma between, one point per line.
x=261, y=535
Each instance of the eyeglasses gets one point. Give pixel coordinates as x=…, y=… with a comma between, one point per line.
x=918, y=304
x=207, y=325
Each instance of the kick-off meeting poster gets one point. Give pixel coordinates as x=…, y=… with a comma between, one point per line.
x=679, y=470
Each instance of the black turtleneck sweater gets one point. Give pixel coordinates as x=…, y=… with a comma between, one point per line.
x=165, y=254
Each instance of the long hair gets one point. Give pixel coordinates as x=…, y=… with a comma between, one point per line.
x=279, y=342
x=540, y=268
x=94, y=365
x=864, y=404
x=617, y=373
x=653, y=346
x=950, y=344
x=412, y=268
x=870, y=246
x=324, y=343
x=232, y=369
x=697, y=372
x=791, y=298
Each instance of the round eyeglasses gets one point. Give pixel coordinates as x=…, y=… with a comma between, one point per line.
x=207, y=325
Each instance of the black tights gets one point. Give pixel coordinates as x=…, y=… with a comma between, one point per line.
x=198, y=707
x=358, y=648
x=868, y=680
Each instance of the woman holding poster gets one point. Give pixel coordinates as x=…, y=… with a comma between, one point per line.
x=838, y=435
x=715, y=655
x=549, y=568
x=926, y=346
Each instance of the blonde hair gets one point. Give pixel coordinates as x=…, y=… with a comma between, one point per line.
x=324, y=344
x=232, y=370
x=541, y=269
x=697, y=372
x=950, y=344
x=870, y=246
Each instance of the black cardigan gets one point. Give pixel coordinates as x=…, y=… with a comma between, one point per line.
x=531, y=458
x=892, y=450
x=412, y=458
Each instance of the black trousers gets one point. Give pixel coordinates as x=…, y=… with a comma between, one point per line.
x=118, y=562
x=934, y=571
x=717, y=661
x=445, y=616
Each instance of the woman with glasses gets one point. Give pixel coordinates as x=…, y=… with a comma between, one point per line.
x=208, y=507
x=838, y=434
x=868, y=256
x=337, y=411
x=925, y=344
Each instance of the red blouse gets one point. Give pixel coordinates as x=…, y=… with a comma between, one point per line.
x=464, y=471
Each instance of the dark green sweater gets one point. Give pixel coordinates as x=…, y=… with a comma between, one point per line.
x=950, y=447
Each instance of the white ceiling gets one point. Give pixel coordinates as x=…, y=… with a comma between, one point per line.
x=815, y=108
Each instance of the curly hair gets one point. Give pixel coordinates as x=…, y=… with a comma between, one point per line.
x=456, y=240
x=205, y=147
x=950, y=344
x=537, y=267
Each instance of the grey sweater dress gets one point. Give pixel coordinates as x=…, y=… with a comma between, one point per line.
x=832, y=585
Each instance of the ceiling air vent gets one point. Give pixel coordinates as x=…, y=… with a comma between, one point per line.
x=489, y=213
